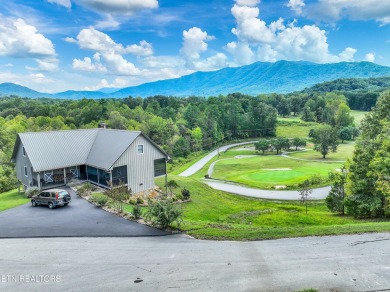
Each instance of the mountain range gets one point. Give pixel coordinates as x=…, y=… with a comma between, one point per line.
x=254, y=79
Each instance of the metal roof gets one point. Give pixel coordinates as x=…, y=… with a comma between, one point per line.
x=59, y=149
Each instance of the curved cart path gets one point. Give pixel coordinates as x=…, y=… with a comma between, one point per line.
x=317, y=194
x=199, y=164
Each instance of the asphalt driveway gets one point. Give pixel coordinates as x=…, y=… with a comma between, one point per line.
x=78, y=219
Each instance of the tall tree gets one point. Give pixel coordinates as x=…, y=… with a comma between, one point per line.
x=325, y=140
x=369, y=172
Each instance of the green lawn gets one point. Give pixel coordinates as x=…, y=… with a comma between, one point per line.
x=358, y=115
x=217, y=215
x=293, y=126
x=12, y=199
x=344, y=152
x=259, y=171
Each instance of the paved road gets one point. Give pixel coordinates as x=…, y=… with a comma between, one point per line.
x=177, y=263
x=79, y=218
x=318, y=194
x=202, y=162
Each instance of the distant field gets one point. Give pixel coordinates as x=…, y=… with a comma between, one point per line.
x=358, y=115
x=293, y=131
x=344, y=152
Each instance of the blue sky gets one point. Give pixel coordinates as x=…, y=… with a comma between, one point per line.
x=56, y=45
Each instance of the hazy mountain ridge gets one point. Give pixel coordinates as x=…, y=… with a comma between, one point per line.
x=254, y=79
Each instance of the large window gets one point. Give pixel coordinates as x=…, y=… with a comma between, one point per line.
x=119, y=175
x=159, y=167
x=104, y=177
x=92, y=174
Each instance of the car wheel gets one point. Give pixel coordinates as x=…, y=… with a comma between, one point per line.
x=34, y=203
x=51, y=205
x=66, y=204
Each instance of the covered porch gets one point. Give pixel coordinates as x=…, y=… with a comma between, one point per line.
x=60, y=177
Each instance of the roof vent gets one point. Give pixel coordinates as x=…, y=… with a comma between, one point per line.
x=102, y=125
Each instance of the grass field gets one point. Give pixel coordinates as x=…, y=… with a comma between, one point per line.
x=11, y=199
x=259, y=171
x=292, y=127
x=214, y=214
x=344, y=152
x=358, y=115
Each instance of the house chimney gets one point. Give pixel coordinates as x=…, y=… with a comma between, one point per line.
x=102, y=125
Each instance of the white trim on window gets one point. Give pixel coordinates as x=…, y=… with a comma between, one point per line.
x=142, y=149
x=23, y=151
x=25, y=171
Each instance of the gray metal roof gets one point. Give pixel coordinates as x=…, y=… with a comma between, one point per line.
x=108, y=146
x=59, y=149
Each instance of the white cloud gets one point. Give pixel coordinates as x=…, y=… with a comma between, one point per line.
x=259, y=41
x=47, y=64
x=163, y=62
x=88, y=65
x=40, y=78
x=243, y=54
x=93, y=39
x=116, y=83
x=333, y=10
x=296, y=6
x=65, y=3
x=108, y=23
x=126, y=7
x=70, y=40
x=21, y=40
x=370, y=57
x=194, y=44
x=143, y=49
x=250, y=3
x=214, y=62
x=119, y=65
x=250, y=28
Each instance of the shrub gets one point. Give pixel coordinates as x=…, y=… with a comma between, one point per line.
x=185, y=193
x=31, y=191
x=119, y=194
x=315, y=179
x=99, y=199
x=137, y=212
x=206, y=176
x=86, y=189
x=179, y=197
x=132, y=201
x=140, y=201
x=164, y=213
x=172, y=184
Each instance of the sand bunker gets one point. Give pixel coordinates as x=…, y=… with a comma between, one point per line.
x=245, y=156
x=244, y=149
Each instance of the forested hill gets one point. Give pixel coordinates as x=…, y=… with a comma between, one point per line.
x=361, y=93
x=352, y=85
x=257, y=78
x=254, y=79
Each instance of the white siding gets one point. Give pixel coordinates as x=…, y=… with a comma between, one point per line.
x=140, y=167
x=21, y=162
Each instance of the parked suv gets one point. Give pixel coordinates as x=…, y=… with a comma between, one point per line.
x=51, y=198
